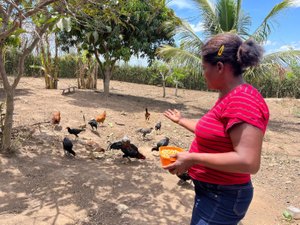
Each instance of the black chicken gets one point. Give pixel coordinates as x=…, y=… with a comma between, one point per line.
x=68, y=145
x=116, y=145
x=157, y=126
x=184, y=177
x=74, y=131
x=162, y=142
x=93, y=124
x=129, y=150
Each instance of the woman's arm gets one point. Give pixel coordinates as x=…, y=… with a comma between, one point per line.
x=175, y=116
x=247, y=143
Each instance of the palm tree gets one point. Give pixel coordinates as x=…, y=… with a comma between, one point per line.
x=227, y=16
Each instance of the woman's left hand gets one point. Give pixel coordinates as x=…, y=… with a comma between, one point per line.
x=182, y=164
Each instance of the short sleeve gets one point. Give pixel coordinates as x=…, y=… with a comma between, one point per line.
x=245, y=108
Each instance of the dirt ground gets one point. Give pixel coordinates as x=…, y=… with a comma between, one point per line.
x=39, y=185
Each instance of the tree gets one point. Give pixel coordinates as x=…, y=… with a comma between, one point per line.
x=227, y=16
x=164, y=71
x=177, y=75
x=16, y=26
x=116, y=30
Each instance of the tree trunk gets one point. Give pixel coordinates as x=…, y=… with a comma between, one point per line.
x=164, y=88
x=106, y=81
x=6, y=138
x=176, y=88
x=95, y=77
x=49, y=68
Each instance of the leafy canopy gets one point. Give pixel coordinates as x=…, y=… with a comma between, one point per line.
x=118, y=29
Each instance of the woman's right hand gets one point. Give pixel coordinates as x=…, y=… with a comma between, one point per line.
x=173, y=114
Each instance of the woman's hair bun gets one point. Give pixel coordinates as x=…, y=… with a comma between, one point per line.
x=249, y=53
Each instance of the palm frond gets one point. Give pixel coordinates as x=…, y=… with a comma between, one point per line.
x=189, y=40
x=283, y=58
x=238, y=12
x=180, y=56
x=270, y=62
x=226, y=14
x=243, y=24
x=262, y=32
x=210, y=20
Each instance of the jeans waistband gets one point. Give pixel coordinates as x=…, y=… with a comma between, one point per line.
x=205, y=185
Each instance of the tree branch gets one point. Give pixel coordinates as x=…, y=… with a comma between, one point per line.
x=2, y=70
x=26, y=51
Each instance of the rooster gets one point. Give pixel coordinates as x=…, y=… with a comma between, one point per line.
x=147, y=115
x=100, y=118
x=55, y=117
x=68, y=145
x=163, y=142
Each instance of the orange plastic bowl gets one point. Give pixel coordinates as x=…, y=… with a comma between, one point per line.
x=165, y=152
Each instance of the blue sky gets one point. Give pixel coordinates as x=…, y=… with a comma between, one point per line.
x=285, y=32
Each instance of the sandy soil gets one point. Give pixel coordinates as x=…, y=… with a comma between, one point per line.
x=39, y=185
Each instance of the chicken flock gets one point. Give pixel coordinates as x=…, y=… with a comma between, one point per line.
x=128, y=149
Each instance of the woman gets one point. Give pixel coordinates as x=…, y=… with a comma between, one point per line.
x=228, y=139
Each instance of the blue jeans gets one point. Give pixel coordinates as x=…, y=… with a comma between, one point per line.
x=220, y=204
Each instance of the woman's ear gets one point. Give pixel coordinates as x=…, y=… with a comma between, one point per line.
x=220, y=66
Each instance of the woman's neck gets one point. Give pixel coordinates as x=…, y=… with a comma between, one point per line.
x=228, y=86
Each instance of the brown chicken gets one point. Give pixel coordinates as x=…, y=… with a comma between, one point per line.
x=55, y=118
x=100, y=118
x=147, y=115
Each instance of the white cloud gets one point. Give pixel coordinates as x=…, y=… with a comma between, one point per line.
x=270, y=43
x=198, y=27
x=291, y=46
x=275, y=47
x=181, y=4
x=296, y=3
x=285, y=47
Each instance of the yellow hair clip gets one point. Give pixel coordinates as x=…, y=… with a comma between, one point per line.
x=221, y=49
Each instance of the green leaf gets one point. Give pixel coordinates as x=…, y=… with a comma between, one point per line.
x=108, y=28
x=19, y=31
x=89, y=37
x=67, y=24
x=96, y=36
x=287, y=215
x=52, y=19
x=60, y=25
x=37, y=67
x=64, y=24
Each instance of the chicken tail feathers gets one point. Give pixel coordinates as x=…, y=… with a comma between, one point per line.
x=140, y=156
x=154, y=149
x=72, y=152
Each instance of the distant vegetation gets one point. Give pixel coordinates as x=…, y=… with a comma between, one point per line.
x=279, y=84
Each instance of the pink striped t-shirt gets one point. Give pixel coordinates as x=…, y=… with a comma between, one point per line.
x=244, y=104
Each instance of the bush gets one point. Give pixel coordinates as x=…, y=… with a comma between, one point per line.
x=11, y=63
x=272, y=85
x=68, y=66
